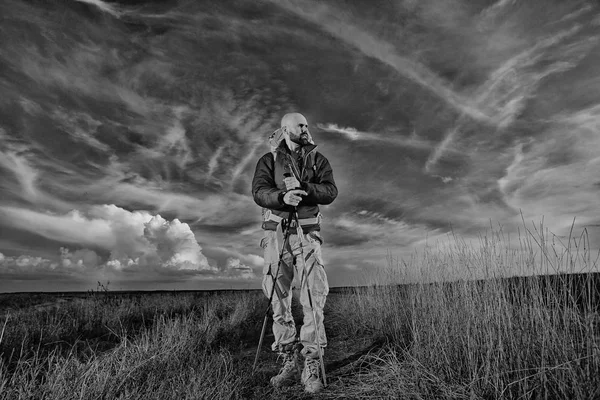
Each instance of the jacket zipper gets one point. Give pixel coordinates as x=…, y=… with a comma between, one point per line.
x=295, y=170
x=304, y=161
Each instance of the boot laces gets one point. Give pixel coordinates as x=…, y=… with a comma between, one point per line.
x=287, y=361
x=312, y=367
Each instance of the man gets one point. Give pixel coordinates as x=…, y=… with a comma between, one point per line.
x=295, y=177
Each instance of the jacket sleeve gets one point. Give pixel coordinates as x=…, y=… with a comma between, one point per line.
x=264, y=190
x=324, y=191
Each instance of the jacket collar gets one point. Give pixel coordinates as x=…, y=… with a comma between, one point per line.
x=283, y=148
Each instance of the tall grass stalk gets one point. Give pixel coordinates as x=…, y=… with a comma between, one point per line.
x=492, y=336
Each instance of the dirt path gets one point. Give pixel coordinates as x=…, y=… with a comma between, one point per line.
x=344, y=359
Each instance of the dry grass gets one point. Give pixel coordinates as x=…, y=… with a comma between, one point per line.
x=483, y=336
x=155, y=347
x=519, y=338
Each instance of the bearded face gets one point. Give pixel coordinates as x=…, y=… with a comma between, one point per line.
x=301, y=139
x=298, y=132
x=295, y=128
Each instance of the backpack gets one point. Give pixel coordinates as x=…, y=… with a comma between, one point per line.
x=275, y=139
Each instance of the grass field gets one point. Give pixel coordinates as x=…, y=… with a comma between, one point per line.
x=489, y=337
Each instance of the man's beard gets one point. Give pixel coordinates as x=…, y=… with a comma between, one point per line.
x=301, y=140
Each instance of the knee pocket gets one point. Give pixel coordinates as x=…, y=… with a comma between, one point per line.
x=320, y=286
x=317, y=282
x=319, y=301
x=269, y=246
x=267, y=283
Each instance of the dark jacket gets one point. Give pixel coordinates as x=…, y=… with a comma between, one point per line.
x=315, y=176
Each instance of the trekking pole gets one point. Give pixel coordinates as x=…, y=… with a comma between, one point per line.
x=312, y=308
x=286, y=237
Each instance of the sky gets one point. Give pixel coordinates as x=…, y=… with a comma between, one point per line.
x=130, y=130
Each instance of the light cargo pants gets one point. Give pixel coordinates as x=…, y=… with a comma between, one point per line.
x=302, y=263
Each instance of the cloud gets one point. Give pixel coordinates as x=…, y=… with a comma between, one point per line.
x=72, y=227
x=333, y=21
x=214, y=162
x=508, y=84
x=106, y=7
x=236, y=268
x=235, y=263
x=251, y=122
x=353, y=134
x=20, y=166
x=349, y=132
x=149, y=241
x=508, y=89
x=557, y=175
x=81, y=126
x=387, y=138
x=440, y=149
x=30, y=170
x=174, y=244
x=211, y=209
x=235, y=251
x=209, y=139
x=29, y=267
x=375, y=228
x=117, y=114
x=121, y=184
x=173, y=143
x=81, y=258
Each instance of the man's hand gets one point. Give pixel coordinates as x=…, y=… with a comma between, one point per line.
x=291, y=183
x=293, y=197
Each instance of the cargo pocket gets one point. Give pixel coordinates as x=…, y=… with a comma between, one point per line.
x=320, y=285
x=269, y=246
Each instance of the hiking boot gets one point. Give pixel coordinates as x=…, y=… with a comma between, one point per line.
x=310, y=376
x=287, y=373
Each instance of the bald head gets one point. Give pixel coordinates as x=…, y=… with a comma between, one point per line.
x=293, y=119
x=295, y=128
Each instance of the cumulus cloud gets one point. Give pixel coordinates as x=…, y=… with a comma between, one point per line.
x=236, y=268
x=174, y=244
x=134, y=239
x=234, y=255
x=22, y=261
x=83, y=258
x=27, y=266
